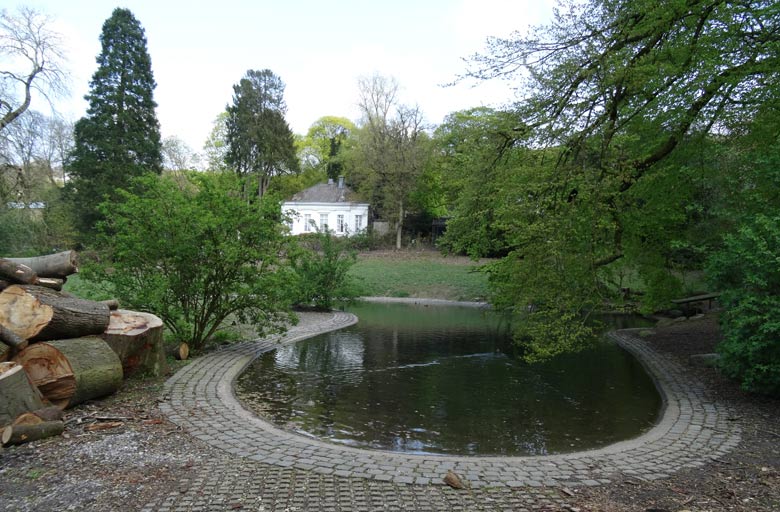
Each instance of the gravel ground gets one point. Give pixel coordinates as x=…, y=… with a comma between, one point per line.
x=120, y=454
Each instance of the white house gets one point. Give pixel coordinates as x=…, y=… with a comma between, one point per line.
x=330, y=206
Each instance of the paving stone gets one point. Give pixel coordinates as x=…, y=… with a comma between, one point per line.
x=277, y=470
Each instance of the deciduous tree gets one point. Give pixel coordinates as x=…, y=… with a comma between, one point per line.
x=195, y=253
x=323, y=144
x=32, y=61
x=619, y=91
x=390, y=149
x=177, y=155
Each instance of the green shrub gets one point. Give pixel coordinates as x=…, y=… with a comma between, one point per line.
x=194, y=253
x=747, y=273
x=321, y=264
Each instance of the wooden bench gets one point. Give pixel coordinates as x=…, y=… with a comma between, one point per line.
x=687, y=302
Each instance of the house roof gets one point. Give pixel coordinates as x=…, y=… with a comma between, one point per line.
x=325, y=193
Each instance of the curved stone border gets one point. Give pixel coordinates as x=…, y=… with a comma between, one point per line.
x=692, y=431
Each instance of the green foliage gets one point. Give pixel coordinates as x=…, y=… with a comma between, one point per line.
x=322, y=265
x=473, y=157
x=215, y=148
x=260, y=143
x=389, y=153
x=32, y=232
x=119, y=138
x=322, y=145
x=747, y=272
x=635, y=116
x=195, y=253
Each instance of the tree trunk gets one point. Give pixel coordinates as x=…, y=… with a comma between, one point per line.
x=20, y=434
x=17, y=394
x=61, y=264
x=399, y=226
x=35, y=313
x=137, y=339
x=51, y=413
x=16, y=272
x=69, y=372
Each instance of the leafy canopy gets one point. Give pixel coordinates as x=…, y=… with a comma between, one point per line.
x=618, y=96
x=194, y=253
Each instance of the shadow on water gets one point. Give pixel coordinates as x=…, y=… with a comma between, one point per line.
x=438, y=380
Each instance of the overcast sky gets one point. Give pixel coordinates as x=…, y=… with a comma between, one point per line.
x=199, y=49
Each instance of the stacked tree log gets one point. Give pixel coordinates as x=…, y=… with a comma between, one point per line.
x=63, y=350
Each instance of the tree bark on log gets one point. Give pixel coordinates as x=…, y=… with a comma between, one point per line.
x=19, y=434
x=35, y=313
x=4, y=284
x=17, y=272
x=17, y=394
x=11, y=339
x=68, y=372
x=61, y=264
x=137, y=338
x=51, y=413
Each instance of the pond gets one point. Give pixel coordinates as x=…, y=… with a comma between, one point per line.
x=437, y=380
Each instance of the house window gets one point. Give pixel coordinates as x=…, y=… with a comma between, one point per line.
x=307, y=222
x=340, y=223
x=358, y=223
x=324, y=221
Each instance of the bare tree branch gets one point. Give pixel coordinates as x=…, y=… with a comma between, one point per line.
x=33, y=55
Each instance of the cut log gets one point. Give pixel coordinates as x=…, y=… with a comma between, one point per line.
x=51, y=413
x=35, y=313
x=11, y=339
x=17, y=394
x=181, y=351
x=16, y=272
x=68, y=372
x=4, y=284
x=19, y=434
x=61, y=264
x=52, y=283
x=137, y=338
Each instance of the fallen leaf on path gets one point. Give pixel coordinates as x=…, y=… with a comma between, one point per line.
x=103, y=426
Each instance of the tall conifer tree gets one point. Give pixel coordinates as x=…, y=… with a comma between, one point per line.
x=260, y=142
x=119, y=138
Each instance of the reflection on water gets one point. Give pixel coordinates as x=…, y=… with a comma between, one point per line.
x=435, y=380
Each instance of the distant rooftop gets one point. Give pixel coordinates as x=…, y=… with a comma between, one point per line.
x=326, y=193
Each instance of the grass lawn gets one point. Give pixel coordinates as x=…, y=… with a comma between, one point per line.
x=419, y=274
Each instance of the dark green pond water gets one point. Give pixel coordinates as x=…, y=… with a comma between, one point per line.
x=434, y=380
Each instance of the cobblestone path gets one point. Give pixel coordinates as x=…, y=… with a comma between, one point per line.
x=261, y=467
